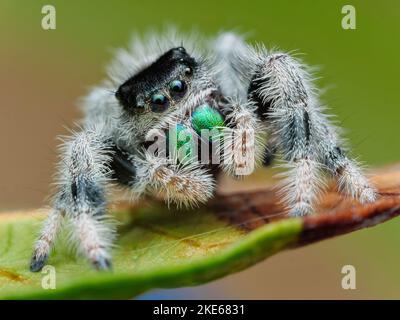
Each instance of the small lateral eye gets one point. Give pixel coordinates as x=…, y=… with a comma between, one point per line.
x=159, y=102
x=177, y=87
x=188, y=71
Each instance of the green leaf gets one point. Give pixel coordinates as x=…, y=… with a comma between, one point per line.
x=161, y=248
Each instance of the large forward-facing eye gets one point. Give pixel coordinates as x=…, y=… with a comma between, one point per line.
x=177, y=88
x=159, y=102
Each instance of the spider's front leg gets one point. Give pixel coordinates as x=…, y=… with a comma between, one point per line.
x=243, y=145
x=287, y=102
x=81, y=199
x=46, y=239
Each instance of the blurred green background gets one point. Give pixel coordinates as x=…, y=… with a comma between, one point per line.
x=44, y=72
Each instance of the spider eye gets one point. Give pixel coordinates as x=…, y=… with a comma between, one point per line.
x=159, y=102
x=188, y=71
x=177, y=87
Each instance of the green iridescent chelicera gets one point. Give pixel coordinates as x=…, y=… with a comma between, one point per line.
x=181, y=137
x=205, y=117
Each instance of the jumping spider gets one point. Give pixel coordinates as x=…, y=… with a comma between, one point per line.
x=158, y=82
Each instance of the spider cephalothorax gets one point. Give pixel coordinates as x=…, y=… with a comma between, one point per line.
x=258, y=103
